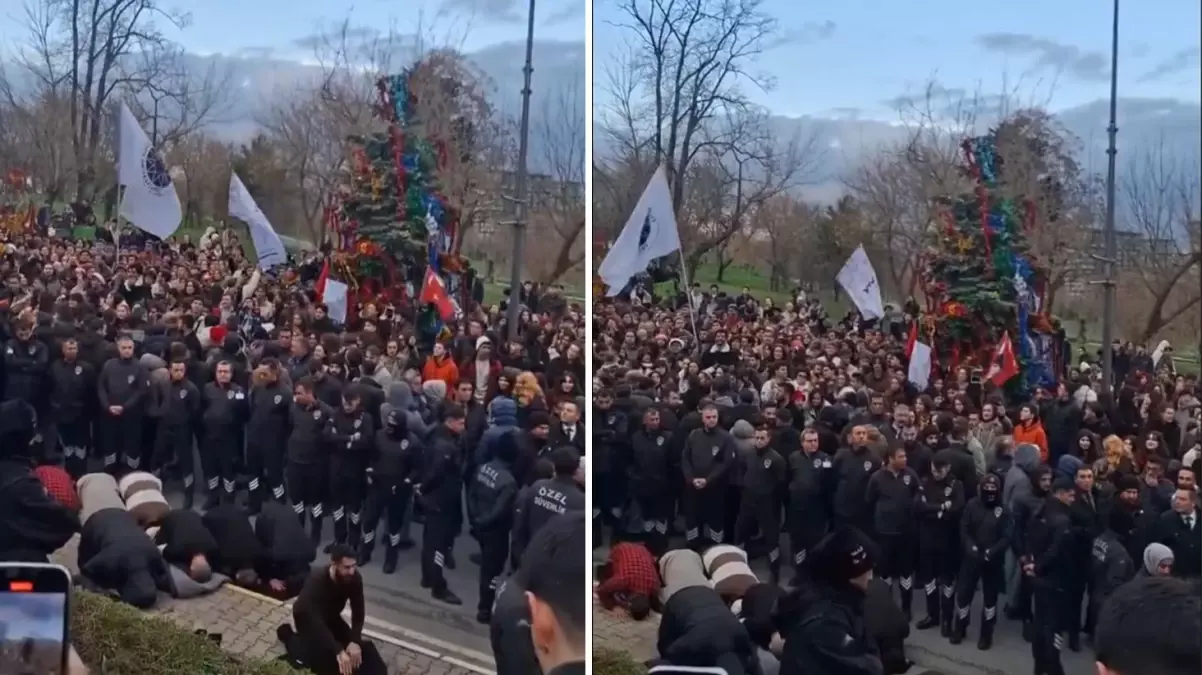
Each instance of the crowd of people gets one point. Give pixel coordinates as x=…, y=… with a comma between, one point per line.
x=799, y=439
x=181, y=369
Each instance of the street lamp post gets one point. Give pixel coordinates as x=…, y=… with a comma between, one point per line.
x=520, y=196
x=1111, y=251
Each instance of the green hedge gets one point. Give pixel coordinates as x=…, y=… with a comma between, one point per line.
x=613, y=662
x=115, y=639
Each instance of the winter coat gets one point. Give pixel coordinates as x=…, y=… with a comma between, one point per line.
x=697, y=629
x=115, y=554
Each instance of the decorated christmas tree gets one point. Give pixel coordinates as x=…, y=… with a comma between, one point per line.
x=391, y=218
x=982, y=281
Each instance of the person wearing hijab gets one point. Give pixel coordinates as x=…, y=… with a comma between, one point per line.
x=1158, y=561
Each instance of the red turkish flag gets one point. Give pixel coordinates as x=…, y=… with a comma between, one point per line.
x=435, y=293
x=1003, y=365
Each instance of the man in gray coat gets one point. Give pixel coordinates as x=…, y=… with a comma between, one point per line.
x=1018, y=497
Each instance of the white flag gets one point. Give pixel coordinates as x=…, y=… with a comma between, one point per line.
x=150, y=202
x=858, y=278
x=650, y=233
x=334, y=296
x=919, y=373
x=268, y=245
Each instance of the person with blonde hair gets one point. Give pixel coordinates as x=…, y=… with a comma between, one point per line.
x=1116, y=459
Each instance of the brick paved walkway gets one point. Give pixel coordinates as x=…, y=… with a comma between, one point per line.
x=247, y=624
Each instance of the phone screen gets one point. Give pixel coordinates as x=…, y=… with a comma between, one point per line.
x=33, y=618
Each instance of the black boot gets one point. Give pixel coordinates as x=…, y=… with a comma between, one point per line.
x=959, y=626
x=1074, y=641
x=315, y=530
x=390, y=559
x=189, y=495
x=932, y=617
x=947, y=611
x=365, y=549
x=339, y=529
x=484, y=616
x=212, y=500
x=988, y=617
x=447, y=596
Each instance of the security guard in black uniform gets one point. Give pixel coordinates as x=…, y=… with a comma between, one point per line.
x=984, y=536
x=1048, y=563
x=308, y=458
x=439, y=493
x=611, y=445
x=490, y=500
x=351, y=439
x=708, y=460
x=548, y=498
x=764, y=483
x=389, y=487
x=224, y=410
x=808, y=510
x=266, y=437
x=73, y=407
x=940, y=502
x=176, y=430
x=651, y=465
x=890, y=498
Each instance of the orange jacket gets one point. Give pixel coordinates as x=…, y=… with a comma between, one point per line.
x=444, y=370
x=1033, y=433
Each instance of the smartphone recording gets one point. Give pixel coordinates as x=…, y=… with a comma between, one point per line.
x=33, y=619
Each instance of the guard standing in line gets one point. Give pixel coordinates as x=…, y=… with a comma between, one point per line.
x=709, y=457
x=650, y=485
x=890, y=498
x=490, y=502
x=1048, y=563
x=808, y=506
x=853, y=466
x=176, y=430
x=985, y=536
x=122, y=389
x=266, y=436
x=763, y=484
x=389, y=487
x=439, y=492
x=72, y=407
x=223, y=415
x=940, y=502
x=308, y=458
x=547, y=498
x=611, y=439
x=351, y=441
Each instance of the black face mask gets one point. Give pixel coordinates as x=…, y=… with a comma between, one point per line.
x=990, y=496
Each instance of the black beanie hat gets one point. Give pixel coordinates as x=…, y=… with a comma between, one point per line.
x=843, y=555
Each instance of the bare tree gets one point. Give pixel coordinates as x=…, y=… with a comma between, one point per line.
x=174, y=93
x=560, y=202
x=688, y=60
x=1162, y=197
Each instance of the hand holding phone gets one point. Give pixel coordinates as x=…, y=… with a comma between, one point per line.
x=36, y=597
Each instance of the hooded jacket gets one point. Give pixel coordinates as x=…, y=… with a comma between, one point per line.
x=401, y=398
x=503, y=414
x=744, y=437
x=116, y=554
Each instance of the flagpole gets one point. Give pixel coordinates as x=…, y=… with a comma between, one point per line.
x=688, y=295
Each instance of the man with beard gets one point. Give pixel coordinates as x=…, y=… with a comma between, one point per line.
x=308, y=457
x=1127, y=519
x=985, y=539
x=709, y=457
x=940, y=502
x=266, y=435
x=322, y=642
x=72, y=406
x=918, y=455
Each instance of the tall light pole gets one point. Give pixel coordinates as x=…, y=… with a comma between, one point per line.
x=520, y=196
x=1111, y=251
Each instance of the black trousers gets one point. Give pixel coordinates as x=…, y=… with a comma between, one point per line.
x=805, y=531
x=122, y=440
x=438, y=533
x=74, y=440
x=265, y=466
x=655, y=509
x=494, y=551
x=387, y=499
x=991, y=574
x=705, y=515
x=218, y=451
x=348, y=482
x=307, y=487
x=1047, y=640
x=938, y=566
x=760, y=519
x=173, y=444
x=301, y=650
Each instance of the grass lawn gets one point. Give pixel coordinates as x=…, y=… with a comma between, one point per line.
x=738, y=277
